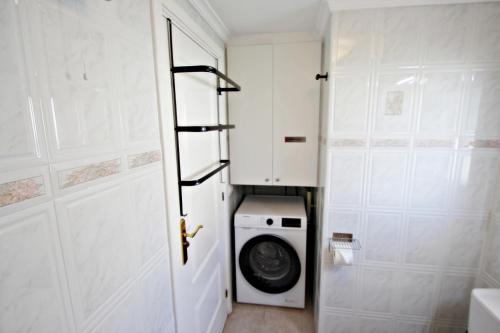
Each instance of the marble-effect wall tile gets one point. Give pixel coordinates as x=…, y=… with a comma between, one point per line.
x=415, y=294
x=347, y=178
x=400, y=36
x=483, y=118
x=28, y=279
x=381, y=241
x=447, y=46
x=354, y=38
x=350, y=103
x=387, y=177
x=441, y=98
x=430, y=181
x=97, y=225
x=377, y=289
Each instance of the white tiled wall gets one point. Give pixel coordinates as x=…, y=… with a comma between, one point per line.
x=412, y=160
x=83, y=240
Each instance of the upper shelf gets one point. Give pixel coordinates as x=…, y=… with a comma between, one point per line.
x=208, y=69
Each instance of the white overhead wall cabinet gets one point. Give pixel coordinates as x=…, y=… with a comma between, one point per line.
x=275, y=141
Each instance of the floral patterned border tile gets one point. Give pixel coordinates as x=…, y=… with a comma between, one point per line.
x=348, y=143
x=434, y=143
x=495, y=144
x=79, y=175
x=141, y=159
x=20, y=190
x=389, y=143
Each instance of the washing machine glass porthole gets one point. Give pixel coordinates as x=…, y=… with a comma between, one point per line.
x=270, y=264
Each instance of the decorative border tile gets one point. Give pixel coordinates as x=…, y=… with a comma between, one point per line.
x=141, y=159
x=21, y=190
x=348, y=143
x=492, y=144
x=389, y=143
x=79, y=175
x=434, y=143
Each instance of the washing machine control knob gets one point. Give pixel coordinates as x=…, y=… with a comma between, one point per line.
x=269, y=221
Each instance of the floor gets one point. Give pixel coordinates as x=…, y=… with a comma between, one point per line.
x=249, y=318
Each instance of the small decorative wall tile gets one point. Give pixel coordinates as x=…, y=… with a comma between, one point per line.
x=79, y=175
x=141, y=159
x=20, y=190
x=394, y=103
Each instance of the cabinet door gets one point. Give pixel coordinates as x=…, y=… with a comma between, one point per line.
x=296, y=113
x=250, y=110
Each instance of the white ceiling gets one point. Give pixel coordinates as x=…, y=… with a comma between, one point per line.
x=246, y=17
x=243, y=17
x=359, y=4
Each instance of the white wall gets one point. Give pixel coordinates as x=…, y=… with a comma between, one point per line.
x=414, y=184
x=83, y=243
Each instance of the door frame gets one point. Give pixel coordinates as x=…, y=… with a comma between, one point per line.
x=160, y=11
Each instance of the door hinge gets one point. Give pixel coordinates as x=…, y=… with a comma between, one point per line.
x=222, y=196
x=226, y=293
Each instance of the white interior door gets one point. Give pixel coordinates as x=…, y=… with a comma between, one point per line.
x=199, y=285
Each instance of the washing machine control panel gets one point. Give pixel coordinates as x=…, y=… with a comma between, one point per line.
x=275, y=222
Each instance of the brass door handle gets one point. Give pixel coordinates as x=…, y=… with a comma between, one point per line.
x=184, y=236
x=192, y=234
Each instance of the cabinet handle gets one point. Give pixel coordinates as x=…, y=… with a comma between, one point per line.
x=266, y=180
x=277, y=180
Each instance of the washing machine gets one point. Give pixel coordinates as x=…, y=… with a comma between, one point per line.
x=270, y=250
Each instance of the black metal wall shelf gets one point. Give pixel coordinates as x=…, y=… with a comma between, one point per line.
x=203, y=128
x=223, y=163
x=208, y=69
x=198, y=181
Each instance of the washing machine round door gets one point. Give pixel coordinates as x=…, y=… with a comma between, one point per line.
x=270, y=264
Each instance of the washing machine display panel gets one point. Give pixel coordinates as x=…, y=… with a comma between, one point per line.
x=270, y=264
